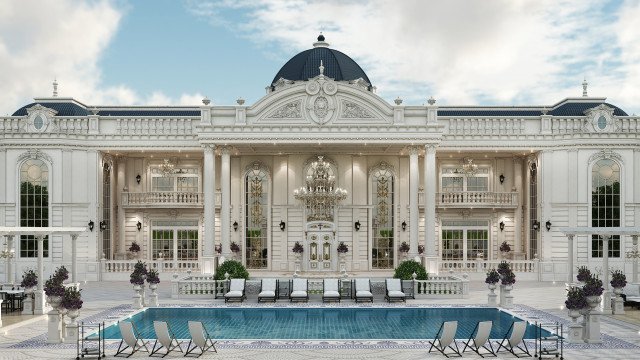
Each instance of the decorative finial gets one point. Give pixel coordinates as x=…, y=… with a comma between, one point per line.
x=321, y=42
x=55, y=87
x=398, y=101
x=584, y=87
x=206, y=101
x=240, y=101
x=321, y=67
x=321, y=37
x=431, y=101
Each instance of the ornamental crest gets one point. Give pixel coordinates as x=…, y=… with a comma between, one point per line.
x=320, y=104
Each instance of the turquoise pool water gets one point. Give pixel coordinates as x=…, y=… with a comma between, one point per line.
x=320, y=323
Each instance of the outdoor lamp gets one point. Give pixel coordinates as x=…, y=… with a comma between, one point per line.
x=536, y=225
x=356, y=225
x=282, y=225
x=91, y=224
x=548, y=225
x=138, y=178
x=103, y=225
x=501, y=225
x=235, y=226
x=139, y=225
x=404, y=225
x=501, y=178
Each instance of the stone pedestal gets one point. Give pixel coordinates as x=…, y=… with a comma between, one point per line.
x=143, y=295
x=606, y=303
x=27, y=305
x=506, y=299
x=153, y=297
x=617, y=302
x=54, y=330
x=39, y=303
x=574, y=335
x=492, y=297
x=137, y=298
x=71, y=332
x=591, y=334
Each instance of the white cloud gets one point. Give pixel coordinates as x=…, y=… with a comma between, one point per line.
x=63, y=39
x=461, y=52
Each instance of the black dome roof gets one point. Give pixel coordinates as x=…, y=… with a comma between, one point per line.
x=305, y=65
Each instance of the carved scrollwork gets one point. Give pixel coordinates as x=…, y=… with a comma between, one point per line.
x=292, y=110
x=35, y=154
x=352, y=110
x=606, y=154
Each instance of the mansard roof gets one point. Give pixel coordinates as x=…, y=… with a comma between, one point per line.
x=566, y=107
x=71, y=107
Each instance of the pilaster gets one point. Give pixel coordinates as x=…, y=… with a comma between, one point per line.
x=209, y=188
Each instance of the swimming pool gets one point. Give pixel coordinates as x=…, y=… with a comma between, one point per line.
x=321, y=323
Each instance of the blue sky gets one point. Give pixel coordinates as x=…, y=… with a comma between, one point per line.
x=161, y=52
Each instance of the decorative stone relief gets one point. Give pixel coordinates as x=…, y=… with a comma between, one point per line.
x=321, y=105
x=352, y=110
x=381, y=166
x=601, y=119
x=39, y=118
x=606, y=154
x=35, y=154
x=292, y=110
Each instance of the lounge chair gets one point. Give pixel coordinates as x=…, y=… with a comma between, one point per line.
x=330, y=290
x=268, y=290
x=363, y=290
x=513, y=342
x=165, y=337
x=299, y=290
x=236, y=291
x=131, y=338
x=200, y=338
x=446, y=338
x=394, y=290
x=478, y=341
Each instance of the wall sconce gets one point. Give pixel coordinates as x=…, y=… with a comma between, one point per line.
x=235, y=226
x=356, y=225
x=91, y=224
x=139, y=225
x=103, y=225
x=283, y=225
x=548, y=225
x=138, y=178
x=501, y=178
x=536, y=225
x=404, y=225
x=501, y=225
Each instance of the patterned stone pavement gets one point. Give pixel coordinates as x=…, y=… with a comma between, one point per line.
x=108, y=301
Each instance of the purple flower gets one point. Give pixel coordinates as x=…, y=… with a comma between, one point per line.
x=343, y=248
x=492, y=277
x=297, y=248
x=576, y=299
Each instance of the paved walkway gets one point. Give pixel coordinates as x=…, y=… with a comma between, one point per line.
x=25, y=340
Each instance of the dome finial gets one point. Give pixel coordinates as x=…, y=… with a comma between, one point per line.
x=55, y=87
x=584, y=87
x=320, y=42
x=320, y=37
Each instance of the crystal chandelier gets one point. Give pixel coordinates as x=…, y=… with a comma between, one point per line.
x=6, y=253
x=469, y=168
x=166, y=168
x=320, y=195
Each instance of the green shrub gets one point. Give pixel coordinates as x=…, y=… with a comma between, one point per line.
x=407, y=268
x=253, y=233
x=235, y=269
x=386, y=233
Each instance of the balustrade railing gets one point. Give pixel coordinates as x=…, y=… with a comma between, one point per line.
x=162, y=198
x=476, y=198
x=442, y=286
x=526, y=266
x=126, y=266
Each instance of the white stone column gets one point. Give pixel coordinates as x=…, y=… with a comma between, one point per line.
x=413, y=201
x=10, y=276
x=122, y=164
x=570, y=257
x=517, y=216
x=74, y=258
x=209, y=188
x=39, y=308
x=225, y=206
x=606, y=294
x=634, y=265
x=430, y=178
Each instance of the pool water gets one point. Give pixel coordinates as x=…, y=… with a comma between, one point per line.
x=321, y=323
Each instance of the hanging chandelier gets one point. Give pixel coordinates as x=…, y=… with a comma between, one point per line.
x=166, y=168
x=469, y=168
x=319, y=194
x=7, y=253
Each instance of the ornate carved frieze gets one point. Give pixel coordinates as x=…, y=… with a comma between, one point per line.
x=382, y=166
x=607, y=154
x=35, y=154
x=351, y=110
x=257, y=166
x=291, y=110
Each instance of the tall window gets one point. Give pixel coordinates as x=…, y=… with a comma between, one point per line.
x=383, y=218
x=175, y=239
x=533, y=209
x=605, y=204
x=454, y=180
x=179, y=180
x=465, y=239
x=256, y=187
x=106, y=209
x=34, y=204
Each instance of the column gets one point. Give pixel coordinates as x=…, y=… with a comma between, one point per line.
x=635, y=260
x=209, y=208
x=606, y=294
x=122, y=251
x=39, y=294
x=225, y=206
x=74, y=258
x=517, y=217
x=430, y=178
x=570, y=257
x=10, y=277
x=413, y=201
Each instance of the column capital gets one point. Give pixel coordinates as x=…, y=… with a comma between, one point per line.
x=413, y=150
x=226, y=150
x=209, y=148
x=430, y=148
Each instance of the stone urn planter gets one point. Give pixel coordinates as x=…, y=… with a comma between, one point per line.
x=575, y=328
x=506, y=299
x=71, y=335
x=492, y=297
x=593, y=301
x=153, y=297
x=27, y=306
x=54, y=301
x=137, y=298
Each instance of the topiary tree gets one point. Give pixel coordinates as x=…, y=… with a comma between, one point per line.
x=406, y=269
x=235, y=269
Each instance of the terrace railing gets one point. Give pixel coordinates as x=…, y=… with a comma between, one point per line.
x=119, y=269
x=522, y=266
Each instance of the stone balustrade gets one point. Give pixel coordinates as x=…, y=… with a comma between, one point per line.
x=523, y=266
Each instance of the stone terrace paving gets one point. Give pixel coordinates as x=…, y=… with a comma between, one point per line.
x=106, y=301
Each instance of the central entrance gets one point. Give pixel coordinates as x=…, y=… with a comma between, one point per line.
x=320, y=238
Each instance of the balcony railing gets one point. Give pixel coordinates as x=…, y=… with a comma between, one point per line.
x=477, y=199
x=164, y=198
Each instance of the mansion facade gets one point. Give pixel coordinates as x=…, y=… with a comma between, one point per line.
x=320, y=160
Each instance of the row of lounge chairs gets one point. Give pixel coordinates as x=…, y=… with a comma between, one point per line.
x=165, y=339
x=300, y=290
x=513, y=340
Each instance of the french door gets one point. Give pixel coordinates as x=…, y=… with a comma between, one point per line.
x=175, y=240
x=465, y=240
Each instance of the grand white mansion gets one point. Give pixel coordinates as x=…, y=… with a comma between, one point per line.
x=320, y=160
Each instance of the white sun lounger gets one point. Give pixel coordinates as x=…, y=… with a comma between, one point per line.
x=131, y=338
x=480, y=340
x=330, y=290
x=363, y=290
x=445, y=338
x=513, y=342
x=200, y=339
x=165, y=337
x=268, y=288
x=236, y=290
x=394, y=290
x=299, y=290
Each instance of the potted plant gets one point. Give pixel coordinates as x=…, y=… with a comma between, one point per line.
x=61, y=274
x=218, y=248
x=134, y=249
x=583, y=274
x=54, y=290
x=508, y=278
x=420, y=249
x=504, y=247
x=503, y=268
x=492, y=278
x=71, y=299
x=593, y=290
x=404, y=247
x=576, y=301
x=618, y=281
x=153, y=278
x=234, y=247
x=29, y=280
x=342, y=248
x=297, y=250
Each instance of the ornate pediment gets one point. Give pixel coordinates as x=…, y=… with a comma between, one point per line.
x=601, y=119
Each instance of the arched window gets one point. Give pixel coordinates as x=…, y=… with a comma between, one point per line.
x=34, y=204
x=382, y=190
x=605, y=204
x=256, y=183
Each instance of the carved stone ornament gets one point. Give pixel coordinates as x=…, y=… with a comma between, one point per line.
x=382, y=166
x=601, y=119
x=606, y=154
x=351, y=110
x=35, y=154
x=292, y=110
x=257, y=166
x=320, y=105
x=39, y=118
